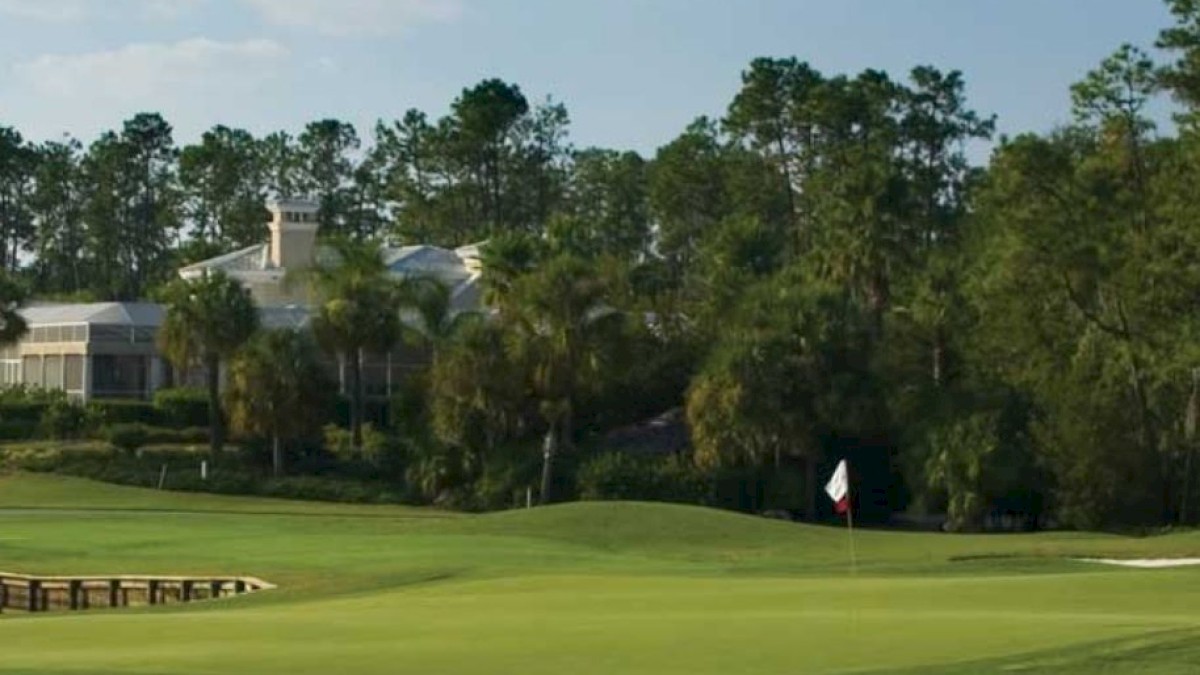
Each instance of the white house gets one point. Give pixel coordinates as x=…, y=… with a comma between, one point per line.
x=98, y=350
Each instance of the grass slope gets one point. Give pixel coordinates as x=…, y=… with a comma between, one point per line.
x=581, y=588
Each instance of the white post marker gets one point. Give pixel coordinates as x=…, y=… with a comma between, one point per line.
x=838, y=489
x=204, y=469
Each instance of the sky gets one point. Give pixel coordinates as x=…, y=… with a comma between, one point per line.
x=632, y=73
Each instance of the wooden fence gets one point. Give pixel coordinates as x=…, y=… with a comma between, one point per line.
x=27, y=593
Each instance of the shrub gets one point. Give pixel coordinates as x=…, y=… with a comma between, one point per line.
x=617, y=475
x=380, y=450
x=316, y=488
x=127, y=437
x=166, y=435
x=108, y=412
x=18, y=430
x=182, y=407
x=21, y=404
x=63, y=419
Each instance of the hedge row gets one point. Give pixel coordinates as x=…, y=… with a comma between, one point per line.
x=240, y=473
x=26, y=415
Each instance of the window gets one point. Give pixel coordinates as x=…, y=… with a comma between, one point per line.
x=73, y=373
x=52, y=372
x=119, y=376
x=32, y=371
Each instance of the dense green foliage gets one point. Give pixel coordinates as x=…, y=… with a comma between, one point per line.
x=277, y=389
x=208, y=320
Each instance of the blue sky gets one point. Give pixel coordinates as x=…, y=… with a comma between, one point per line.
x=632, y=73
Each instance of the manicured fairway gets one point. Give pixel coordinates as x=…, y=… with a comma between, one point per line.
x=583, y=588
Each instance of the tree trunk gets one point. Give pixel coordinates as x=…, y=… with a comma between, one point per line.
x=276, y=457
x=938, y=356
x=549, y=452
x=356, y=400
x=1191, y=417
x=810, y=488
x=216, y=421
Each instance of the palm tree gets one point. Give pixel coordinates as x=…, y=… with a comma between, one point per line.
x=476, y=394
x=561, y=324
x=430, y=320
x=277, y=389
x=208, y=319
x=358, y=312
x=12, y=324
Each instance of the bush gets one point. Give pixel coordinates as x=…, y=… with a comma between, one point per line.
x=63, y=419
x=127, y=437
x=108, y=412
x=23, y=411
x=380, y=450
x=18, y=430
x=23, y=408
x=182, y=407
x=167, y=436
x=617, y=475
x=316, y=488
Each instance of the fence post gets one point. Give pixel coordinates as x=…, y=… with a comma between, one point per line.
x=73, y=588
x=35, y=591
x=152, y=591
x=185, y=591
x=114, y=592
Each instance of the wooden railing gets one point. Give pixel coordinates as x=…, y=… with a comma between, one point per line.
x=28, y=593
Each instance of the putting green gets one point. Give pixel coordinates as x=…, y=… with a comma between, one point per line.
x=581, y=588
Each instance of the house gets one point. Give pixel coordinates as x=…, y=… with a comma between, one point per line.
x=99, y=350
x=93, y=350
x=272, y=270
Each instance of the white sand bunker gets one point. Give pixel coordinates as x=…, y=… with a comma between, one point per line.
x=1144, y=563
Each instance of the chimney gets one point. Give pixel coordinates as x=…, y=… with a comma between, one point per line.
x=293, y=233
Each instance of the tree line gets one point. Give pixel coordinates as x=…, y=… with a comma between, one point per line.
x=819, y=273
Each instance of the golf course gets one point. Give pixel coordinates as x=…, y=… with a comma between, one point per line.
x=579, y=588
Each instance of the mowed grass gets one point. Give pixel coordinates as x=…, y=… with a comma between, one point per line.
x=580, y=588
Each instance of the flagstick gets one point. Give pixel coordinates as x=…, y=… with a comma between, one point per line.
x=850, y=529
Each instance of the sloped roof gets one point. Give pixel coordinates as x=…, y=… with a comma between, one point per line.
x=467, y=296
x=292, y=317
x=663, y=434
x=97, y=313
x=426, y=260
x=248, y=259
x=403, y=260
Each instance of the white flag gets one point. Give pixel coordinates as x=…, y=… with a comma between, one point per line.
x=838, y=488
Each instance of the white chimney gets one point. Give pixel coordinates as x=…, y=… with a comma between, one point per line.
x=293, y=233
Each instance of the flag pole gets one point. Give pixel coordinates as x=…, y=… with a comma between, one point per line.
x=850, y=522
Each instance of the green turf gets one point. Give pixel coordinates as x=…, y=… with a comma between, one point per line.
x=581, y=588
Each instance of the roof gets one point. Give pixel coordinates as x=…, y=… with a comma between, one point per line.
x=405, y=260
x=459, y=269
x=422, y=260
x=663, y=434
x=96, y=313
x=292, y=317
x=247, y=259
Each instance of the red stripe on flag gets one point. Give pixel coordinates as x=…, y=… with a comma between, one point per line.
x=842, y=505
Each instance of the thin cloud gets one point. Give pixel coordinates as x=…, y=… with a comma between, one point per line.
x=55, y=11
x=346, y=18
x=189, y=81
x=71, y=11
